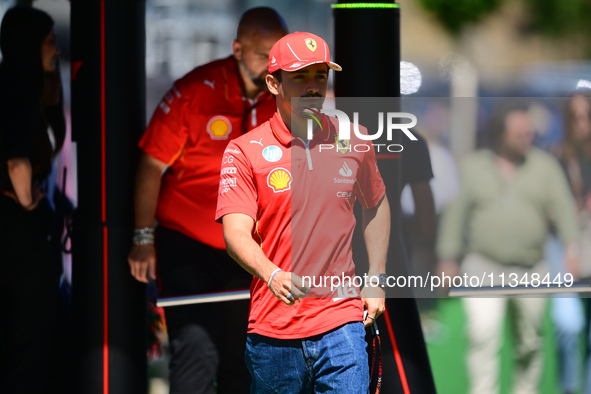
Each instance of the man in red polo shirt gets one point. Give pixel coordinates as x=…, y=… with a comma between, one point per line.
x=177, y=183
x=286, y=204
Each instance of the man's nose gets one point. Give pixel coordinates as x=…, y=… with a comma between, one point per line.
x=313, y=86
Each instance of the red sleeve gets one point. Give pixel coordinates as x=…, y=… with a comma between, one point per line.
x=237, y=192
x=369, y=187
x=168, y=130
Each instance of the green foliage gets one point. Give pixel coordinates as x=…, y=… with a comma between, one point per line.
x=455, y=14
x=554, y=18
x=559, y=17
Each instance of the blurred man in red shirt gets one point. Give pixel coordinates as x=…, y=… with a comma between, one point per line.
x=176, y=186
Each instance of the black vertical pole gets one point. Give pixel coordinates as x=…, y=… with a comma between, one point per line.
x=108, y=117
x=367, y=46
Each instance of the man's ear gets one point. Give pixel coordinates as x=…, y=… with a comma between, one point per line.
x=272, y=84
x=237, y=50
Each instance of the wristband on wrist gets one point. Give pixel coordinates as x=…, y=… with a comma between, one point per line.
x=378, y=280
x=143, y=236
x=272, y=276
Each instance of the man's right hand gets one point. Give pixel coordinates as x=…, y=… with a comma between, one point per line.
x=142, y=262
x=142, y=258
x=288, y=287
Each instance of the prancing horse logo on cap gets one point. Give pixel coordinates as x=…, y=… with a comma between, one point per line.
x=311, y=44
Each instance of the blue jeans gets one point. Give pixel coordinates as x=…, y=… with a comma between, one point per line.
x=333, y=362
x=568, y=317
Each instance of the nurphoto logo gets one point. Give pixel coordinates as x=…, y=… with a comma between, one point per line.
x=344, y=132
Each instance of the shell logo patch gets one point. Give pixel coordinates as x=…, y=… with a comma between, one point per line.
x=279, y=180
x=311, y=44
x=219, y=128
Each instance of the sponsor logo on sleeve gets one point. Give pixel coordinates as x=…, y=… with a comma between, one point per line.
x=228, y=159
x=272, y=153
x=226, y=184
x=168, y=99
x=219, y=128
x=232, y=150
x=230, y=182
x=165, y=108
x=228, y=170
x=279, y=180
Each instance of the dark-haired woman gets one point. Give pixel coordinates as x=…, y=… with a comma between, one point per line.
x=32, y=130
x=575, y=156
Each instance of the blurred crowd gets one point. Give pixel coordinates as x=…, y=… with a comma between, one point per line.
x=517, y=206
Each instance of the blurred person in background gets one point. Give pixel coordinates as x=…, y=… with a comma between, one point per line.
x=509, y=197
x=176, y=185
x=420, y=240
x=407, y=341
x=568, y=312
x=420, y=221
x=405, y=356
x=32, y=132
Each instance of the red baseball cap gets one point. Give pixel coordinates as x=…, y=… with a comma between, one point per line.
x=298, y=50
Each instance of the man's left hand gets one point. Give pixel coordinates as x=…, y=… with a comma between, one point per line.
x=374, y=301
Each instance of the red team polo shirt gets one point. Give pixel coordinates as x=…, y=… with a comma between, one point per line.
x=301, y=197
x=189, y=132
